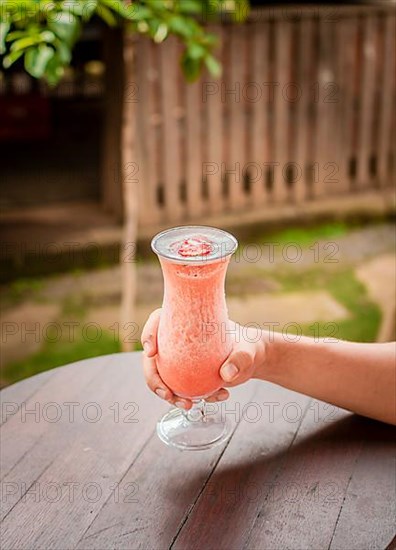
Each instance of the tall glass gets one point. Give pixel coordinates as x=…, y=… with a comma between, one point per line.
x=193, y=335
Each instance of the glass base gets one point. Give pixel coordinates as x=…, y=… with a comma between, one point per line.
x=195, y=430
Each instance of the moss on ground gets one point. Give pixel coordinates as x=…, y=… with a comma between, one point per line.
x=365, y=316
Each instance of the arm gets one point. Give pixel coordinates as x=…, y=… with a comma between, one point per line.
x=357, y=377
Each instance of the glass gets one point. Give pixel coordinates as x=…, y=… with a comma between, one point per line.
x=193, y=333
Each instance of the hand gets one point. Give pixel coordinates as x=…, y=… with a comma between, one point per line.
x=244, y=362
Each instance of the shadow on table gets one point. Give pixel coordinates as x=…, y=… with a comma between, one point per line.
x=325, y=454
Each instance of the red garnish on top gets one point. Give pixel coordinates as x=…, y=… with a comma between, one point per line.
x=194, y=246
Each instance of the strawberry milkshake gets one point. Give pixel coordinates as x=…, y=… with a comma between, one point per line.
x=193, y=339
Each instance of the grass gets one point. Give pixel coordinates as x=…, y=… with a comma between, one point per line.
x=364, y=320
x=303, y=236
x=361, y=325
x=306, y=236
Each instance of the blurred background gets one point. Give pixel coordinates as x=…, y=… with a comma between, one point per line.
x=291, y=147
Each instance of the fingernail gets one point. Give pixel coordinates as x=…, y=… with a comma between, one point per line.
x=161, y=393
x=147, y=347
x=229, y=372
x=180, y=404
x=222, y=397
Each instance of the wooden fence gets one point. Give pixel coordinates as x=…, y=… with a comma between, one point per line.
x=304, y=109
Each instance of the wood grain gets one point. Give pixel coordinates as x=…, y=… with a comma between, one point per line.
x=308, y=476
x=384, y=145
x=301, y=151
x=234, y=97
x=193, y=138
x=170, y=139
x=349, y=35
x=213, y=132
x=237, y=489
x=371, y=499
x=217, y=151
x=13, y=396
x=259, y=153
x=169, y=483
x=366, y=111
x=281, y=153
x=148, y=120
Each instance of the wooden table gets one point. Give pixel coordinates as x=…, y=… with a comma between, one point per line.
x=82, y=467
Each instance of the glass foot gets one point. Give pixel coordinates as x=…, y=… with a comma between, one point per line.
x=197, y=429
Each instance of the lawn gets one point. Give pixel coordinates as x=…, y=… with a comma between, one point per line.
x=362, y=323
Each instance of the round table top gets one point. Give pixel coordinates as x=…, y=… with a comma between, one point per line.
x=82, y=467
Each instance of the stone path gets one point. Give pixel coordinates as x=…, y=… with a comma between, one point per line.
x=379, y=277
x=253, y=295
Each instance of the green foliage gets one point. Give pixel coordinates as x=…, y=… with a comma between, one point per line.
x=44, y=32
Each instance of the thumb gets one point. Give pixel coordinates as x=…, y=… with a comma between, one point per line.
x=238, y=366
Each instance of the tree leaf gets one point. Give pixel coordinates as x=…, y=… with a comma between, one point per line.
x=182, y=26
x=26, y=42
x=161, y=34
x=196, y=51
x=36, y=59
x=11, y=58
x=213, y=66
x=66, y=27
x=107, y=15
x=191, y=67
x=4, y=28
x=191, y=6
x=54, y=70
x=64, y=52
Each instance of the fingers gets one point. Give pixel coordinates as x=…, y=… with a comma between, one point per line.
x=157, y=385
x=239, y=365
x=149, y=333
x=153, y=379
x=221, y=395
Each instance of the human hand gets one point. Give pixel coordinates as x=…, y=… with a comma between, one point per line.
x=244, y=362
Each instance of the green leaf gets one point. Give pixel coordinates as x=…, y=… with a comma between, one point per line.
x=66, y=27
x=36, y=60
x=83, y=8
x=182, y=26
x=63, y=51
x=210, y=40
x=47, y=36
x=213, y=66
x=26, y=42
x=54, y=70
x=118, y=7
x=191, y=67
x=107, y=15
x=161, y=33
x=196, y=51
x=4, y=28
x=191, y=6
x=14, y=35
x=135, y=12
x=11, y=58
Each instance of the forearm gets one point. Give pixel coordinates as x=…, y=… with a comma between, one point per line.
x=357, y=377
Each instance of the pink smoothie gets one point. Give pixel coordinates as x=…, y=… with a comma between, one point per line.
x=192, y=336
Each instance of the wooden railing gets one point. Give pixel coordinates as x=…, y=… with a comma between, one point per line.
x=303, y=110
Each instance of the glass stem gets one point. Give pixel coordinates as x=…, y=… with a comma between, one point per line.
x=197, y=411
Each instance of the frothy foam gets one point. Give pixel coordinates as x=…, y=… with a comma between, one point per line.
x=194, y=244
